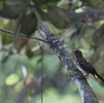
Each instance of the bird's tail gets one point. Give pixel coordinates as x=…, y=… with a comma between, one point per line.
x=99, y=77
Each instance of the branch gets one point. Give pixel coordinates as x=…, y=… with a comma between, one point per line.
x=55, y=45
x=89, y=15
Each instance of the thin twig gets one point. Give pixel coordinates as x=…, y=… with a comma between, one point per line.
x=41, y=72
x=23, y=35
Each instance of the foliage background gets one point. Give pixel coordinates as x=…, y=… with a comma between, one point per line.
x=21, y=58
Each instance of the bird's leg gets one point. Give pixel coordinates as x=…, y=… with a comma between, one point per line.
x=86, y=75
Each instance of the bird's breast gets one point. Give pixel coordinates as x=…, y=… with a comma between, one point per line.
x=80, y=69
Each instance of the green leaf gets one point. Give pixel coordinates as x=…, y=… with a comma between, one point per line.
x=15, y=62
x=14, y=2
x=58, y=17
x=34, y=60
x=98, y=36
x=1, y=4
x=16, y=5
x=29, y=22
x=12, y=79
x=12, y=8
x=50, y=63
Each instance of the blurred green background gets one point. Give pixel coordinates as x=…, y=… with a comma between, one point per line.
x=21, y=58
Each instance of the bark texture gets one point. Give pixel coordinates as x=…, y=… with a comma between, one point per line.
x=86, y=93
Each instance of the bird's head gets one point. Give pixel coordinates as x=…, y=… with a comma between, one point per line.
x=78, y=53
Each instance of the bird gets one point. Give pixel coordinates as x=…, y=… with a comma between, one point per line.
x=84, y=66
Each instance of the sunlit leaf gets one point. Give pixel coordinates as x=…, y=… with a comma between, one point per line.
x=12, y=79
x=63, y=4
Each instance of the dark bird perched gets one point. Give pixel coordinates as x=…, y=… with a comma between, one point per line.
x=84, y=66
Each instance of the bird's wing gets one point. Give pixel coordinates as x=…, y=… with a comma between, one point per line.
x=87, y=66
